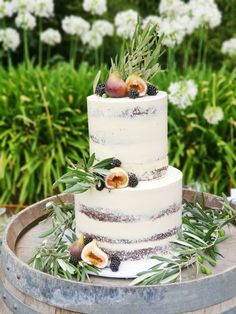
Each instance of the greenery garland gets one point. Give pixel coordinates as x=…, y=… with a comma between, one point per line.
x=197, y=245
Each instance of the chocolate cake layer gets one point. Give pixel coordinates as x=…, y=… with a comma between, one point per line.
x=107, y=215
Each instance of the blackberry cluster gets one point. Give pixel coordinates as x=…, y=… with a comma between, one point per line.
x=100, y=89
x=74, y=260
x=115, y=263
x=133, y=180
x=100, y=185
x=151, y=90
x=87, y=240
x=133, y=93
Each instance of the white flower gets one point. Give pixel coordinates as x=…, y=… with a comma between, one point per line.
x=75, y=25
x=172, y=8
x=153, y=20
x=93, y=39
x=50, y=37
x=103, y=27
x=125, y=22
x=229, y=47
x=9, y=38
x=182, y=93
x=26, y=21
x=23, y=6
x=173, y=31
x=205, y=13
x=95, y=6
x=6, y=9
x=9, y=8
x=44, y=8
x=213, y=114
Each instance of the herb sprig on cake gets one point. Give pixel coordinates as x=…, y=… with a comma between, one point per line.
x=134, y=67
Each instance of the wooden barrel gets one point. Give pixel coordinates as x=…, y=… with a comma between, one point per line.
x=26, y=290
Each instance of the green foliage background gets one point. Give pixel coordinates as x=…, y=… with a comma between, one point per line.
x=43, y=110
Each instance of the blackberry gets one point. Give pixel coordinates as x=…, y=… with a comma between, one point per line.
x=74, y=260
x=114, y=163
x=115, y=258
x=100, y=89
x=100, y=185
x=151, y=90
x=88, y=239
x=115, y=263
x=133, y=93
x=133, y=180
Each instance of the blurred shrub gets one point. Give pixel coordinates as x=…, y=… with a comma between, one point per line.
x=43, y=120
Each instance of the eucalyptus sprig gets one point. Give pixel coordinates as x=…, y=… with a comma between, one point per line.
x=81, y=176
x=197, y=244
x=53, y=256
x=140, y=55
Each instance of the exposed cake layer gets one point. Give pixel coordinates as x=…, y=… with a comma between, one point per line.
x=136, y=222
x=132, y=130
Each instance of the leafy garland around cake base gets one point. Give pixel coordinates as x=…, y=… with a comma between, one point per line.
x=196, y=246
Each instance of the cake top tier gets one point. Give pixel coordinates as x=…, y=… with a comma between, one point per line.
x=131, y=130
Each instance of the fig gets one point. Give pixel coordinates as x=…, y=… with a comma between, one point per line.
x=136, y=82
x=76, y=248
x=115, y=86
x=93, y=255
x=117, y=179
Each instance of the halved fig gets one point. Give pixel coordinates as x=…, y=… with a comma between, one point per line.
x=117, y=179
x=136, y=82
x=115, y=86
x=93, y=255
x=77, y=247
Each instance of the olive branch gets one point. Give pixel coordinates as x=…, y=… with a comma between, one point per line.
x=140, y=55
x=83, y=175
x=53, y=256
x=196, y=245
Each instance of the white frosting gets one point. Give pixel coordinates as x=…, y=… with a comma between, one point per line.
x=149, y=199
x=131, y=231
x=132, y=130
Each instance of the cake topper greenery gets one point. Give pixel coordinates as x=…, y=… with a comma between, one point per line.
x=61, y=254
x=134, y=67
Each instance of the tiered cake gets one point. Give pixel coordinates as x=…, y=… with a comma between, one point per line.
x=132, y=223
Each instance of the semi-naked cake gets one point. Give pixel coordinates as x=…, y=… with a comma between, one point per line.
x=132, y=223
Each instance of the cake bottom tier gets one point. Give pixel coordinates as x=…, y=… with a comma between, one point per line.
x=133, y=223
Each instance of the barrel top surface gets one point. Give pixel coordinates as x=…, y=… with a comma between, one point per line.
x=22, y=237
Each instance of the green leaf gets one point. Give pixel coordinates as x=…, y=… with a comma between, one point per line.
x=91, y=161
x=96, y=80
x=47, y=232
x=141, y=278
x=171, y=278
x=103, y=163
